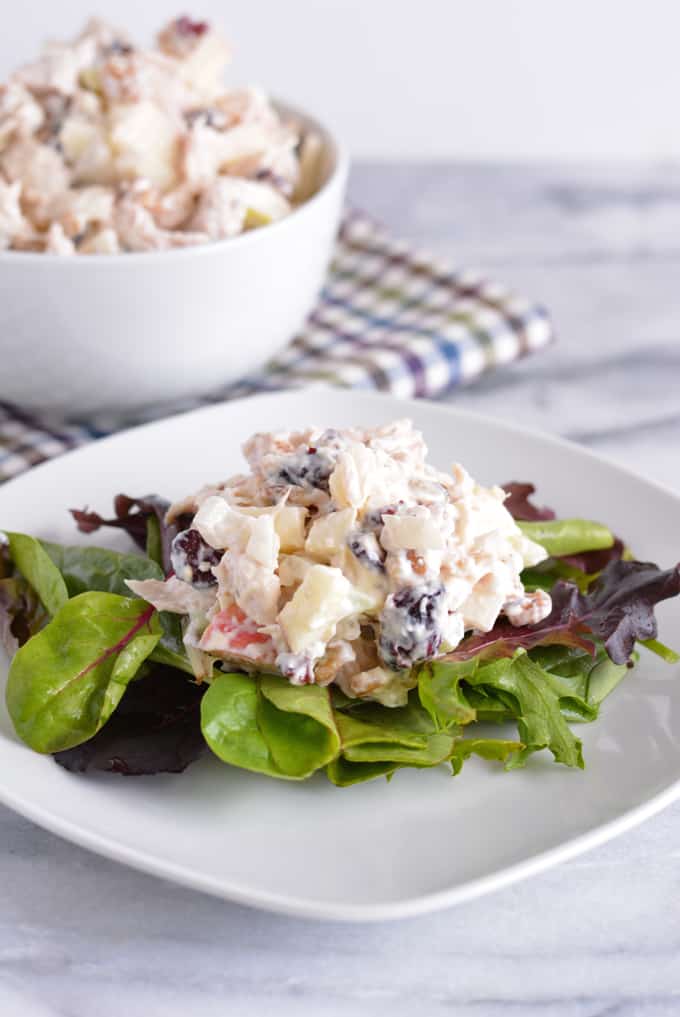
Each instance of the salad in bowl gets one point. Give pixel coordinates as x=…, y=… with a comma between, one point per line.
x=108, y=147
x=342, y=606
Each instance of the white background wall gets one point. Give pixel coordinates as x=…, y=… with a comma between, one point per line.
x=423, y=79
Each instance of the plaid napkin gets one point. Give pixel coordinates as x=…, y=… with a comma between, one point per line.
x=389, y=318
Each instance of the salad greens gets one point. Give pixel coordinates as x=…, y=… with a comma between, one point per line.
x=102, y=680
x=67, y=680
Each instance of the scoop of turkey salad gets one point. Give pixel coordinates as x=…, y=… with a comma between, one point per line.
x=343, y=556
x=107, y=146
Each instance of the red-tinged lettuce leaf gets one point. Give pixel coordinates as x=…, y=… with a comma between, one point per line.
x=563, y=626
x=156, y=729
x=591, y=562
x=519, y=505
x=22, y=613
x=143, y=519
x=618, y=609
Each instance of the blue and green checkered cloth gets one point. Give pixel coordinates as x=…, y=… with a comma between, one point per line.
x=389, y=318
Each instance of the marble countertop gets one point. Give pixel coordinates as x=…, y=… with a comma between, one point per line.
x=597, y=936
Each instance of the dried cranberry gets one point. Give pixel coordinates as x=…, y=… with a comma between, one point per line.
x=409, y=626
x=307, y=469
x=193, y=559
x=367, y=550
x=186, y=26
x=207, y=117
x=419, y=605
x=374, y=520
x=118, y=48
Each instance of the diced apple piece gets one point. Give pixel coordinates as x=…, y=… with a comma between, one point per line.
x=289, y=523
x=417, y=533
x=328, y=535
x=293, y=569
x=353, y=479
x=144, y=139
x=219, y=524
x=324, y=598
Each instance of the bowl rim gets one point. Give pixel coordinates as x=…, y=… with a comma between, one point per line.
x=336, y=178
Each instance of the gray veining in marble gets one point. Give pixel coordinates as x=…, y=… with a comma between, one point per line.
x=597, y=937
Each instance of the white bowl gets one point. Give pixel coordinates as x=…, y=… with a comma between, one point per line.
x=118, y=332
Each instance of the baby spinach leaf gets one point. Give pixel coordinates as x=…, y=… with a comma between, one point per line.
x=298, y=725
x=229, y=724
x=156, y=729
x=66, y=681
x=97, y=568
x=264, y=724
x=35, y=565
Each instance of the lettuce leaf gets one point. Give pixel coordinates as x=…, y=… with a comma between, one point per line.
x=66, y=681
x=155, y=729
x=342, y=773
x=97, y=568
x=533, y=697
x=269, y=726
x=519, y=505
x=35, y=565
x=440, y=693
x=143, y=519
x=487, y=748
x=617, y=609
x=22, y=613
x=561, y=537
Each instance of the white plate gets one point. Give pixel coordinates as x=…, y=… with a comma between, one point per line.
x=376, y=850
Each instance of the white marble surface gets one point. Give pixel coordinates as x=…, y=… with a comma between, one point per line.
x=598, y=936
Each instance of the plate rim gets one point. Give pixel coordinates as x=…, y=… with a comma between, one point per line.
x=288, y=904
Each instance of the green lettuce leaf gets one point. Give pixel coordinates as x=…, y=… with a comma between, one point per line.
x=266, y=725
x=65, y=682
x=97, y=568
x=568, y=536
x=440, y=693
x=35, y=565
x=487, y=748
x=342, y=773
x=298, y=725
x=533, y=695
